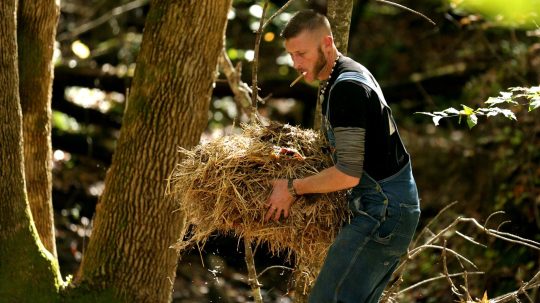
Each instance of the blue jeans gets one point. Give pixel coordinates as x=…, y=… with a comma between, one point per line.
x=360, y=262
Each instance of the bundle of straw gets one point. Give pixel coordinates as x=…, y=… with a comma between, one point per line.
x=224, y=185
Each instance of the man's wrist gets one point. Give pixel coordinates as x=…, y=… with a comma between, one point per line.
x=291, y=189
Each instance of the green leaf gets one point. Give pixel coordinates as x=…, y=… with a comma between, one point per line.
x=427, y=113
x=443, y=114
x=492, y=101
x=517, y=89
x=467, y=111
x=509, y=114
x=472, y=120
x=451, y=111
x=535, y=103
x=490, y=112
x=506, y=96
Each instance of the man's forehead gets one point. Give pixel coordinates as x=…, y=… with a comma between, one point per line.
x=304, y=39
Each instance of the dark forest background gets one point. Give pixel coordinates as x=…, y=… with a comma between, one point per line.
x=465, y=59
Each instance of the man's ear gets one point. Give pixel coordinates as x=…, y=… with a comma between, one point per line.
x=328, y=41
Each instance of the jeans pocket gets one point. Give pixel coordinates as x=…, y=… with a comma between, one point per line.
x=399, y=227
x=390, y=224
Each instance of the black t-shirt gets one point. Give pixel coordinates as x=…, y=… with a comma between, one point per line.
x=355, y=105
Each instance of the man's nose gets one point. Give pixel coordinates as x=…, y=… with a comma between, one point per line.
x=296, y=62
x=297, y=65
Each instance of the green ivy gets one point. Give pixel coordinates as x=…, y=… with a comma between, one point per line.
x=511, y=98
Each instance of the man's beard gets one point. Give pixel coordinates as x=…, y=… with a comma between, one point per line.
x=320, y=64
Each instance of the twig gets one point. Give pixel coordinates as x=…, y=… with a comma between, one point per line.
x=470, y=239
x=411, y=254
x=455, y=253
x=437, y=278
x=240, y=89
x=526, y=294
x=252, y=279
x=426, y=228
x=466, y=287
x=258, y=36
x=279, y=11
x=407, y=9
x=502, y=235
x=533, y=283
x=504, y=222
x=492, y=215
x=274, y=267
x=445, y=271
x=102, y=19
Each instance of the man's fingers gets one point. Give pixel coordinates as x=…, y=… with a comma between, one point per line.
x=268, y=202
x=269, y=213
x=273, y=212
x=277, y=215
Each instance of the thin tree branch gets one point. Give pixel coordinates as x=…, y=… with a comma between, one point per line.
x=533, y=283
x=466, y=287
x=500, y=212
x=102, y=19
x=279, y=11
x=470, y=239
x=426, y=228
x=258, y=36
x=442, y=276
x=445, y=271
x=412, y=253
x=407, y=9
x=240, y=89
x=252, y=279
x=503, y=235
x=442, y=248
x=274, y=267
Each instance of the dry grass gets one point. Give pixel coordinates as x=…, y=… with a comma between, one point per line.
x=223, y=186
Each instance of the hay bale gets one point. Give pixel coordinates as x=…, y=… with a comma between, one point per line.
x=223, y=186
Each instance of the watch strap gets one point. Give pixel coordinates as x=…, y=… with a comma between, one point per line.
x=290, y=187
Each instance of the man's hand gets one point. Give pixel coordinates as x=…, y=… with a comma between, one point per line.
x=279, y=201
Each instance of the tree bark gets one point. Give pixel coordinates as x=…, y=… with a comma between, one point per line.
x=135, y=223
x=36, y=30
x=339, y=14
x=28, y=273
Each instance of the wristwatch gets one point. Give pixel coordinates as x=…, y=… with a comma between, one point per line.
x=291, y=189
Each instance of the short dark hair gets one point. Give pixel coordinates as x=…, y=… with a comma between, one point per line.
x=304, y=20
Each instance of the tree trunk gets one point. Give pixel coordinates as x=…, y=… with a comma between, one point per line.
x=135, y=223
x=36, y=30
x=28, y=273
x=339, y=14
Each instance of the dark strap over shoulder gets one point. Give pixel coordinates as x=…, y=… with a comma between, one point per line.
x=367, y=79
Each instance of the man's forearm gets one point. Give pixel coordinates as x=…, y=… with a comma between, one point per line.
x=328, y=180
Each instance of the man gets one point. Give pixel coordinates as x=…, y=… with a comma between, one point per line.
x=370, y=160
